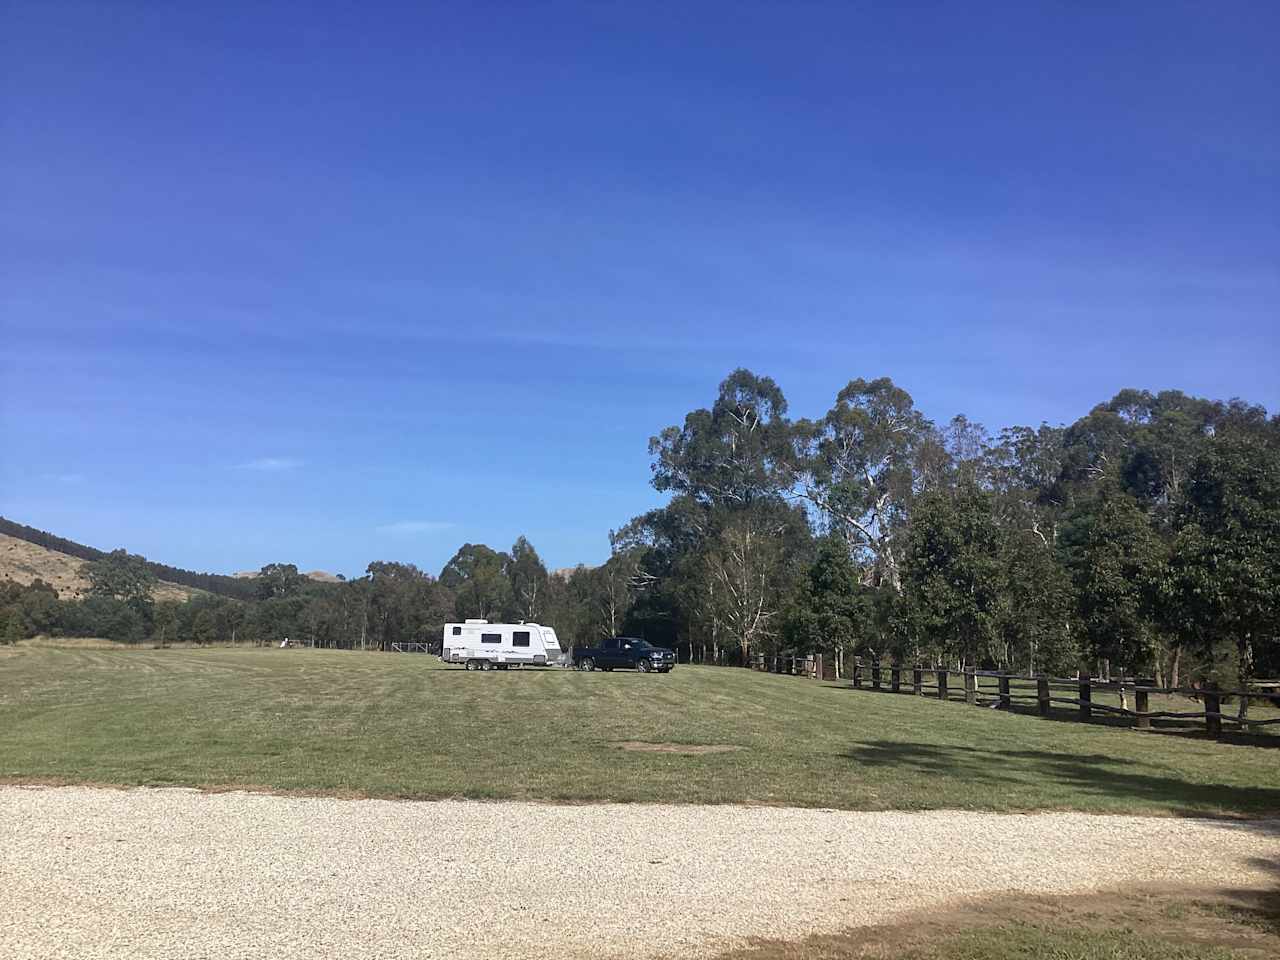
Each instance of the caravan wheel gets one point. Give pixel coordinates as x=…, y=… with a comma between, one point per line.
x=486, y=665
x=471, y=664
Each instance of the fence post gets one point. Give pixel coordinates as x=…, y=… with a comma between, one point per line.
x=895, y=678
x=1086, y=695
x=917, y=681
x=942, y=683
x=1213, y=713
x=1042, y=695
x=1005, y=700
x=1141, y=706
x=857, y=672
x=970, y=687
x=875, y=675
x=817, y=666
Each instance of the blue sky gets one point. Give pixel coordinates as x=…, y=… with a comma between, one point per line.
x=326, y=284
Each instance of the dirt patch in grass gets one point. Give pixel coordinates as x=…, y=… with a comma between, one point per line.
x=1148, y=922
x=689, y=749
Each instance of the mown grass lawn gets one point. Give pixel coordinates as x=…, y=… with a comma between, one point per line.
x=1116, y=925
x=406, y=726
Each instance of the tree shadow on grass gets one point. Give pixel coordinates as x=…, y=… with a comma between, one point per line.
x=1096, y=775
x=1188, y=728
x=1259, y=909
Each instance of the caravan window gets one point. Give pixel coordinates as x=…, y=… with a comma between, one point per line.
x=457, y=631
x=490, y=638
x=520, y=638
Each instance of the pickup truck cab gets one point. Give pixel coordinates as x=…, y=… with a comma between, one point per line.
x=627, y=653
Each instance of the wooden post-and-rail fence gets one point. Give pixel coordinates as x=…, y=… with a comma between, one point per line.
x=919, y=680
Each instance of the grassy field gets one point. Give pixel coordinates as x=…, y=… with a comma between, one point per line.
x=1116, y=925
x=406, y=726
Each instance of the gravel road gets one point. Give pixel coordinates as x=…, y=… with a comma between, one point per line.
x=92, y=873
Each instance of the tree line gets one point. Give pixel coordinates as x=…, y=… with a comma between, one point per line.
x=392, y=603
x=1144, y=537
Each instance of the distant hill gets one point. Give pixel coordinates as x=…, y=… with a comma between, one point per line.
x=25, y=562
x=564, y=573
x=73, y=554
x=320, y=576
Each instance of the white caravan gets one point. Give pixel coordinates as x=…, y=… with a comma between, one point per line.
x=482, y=645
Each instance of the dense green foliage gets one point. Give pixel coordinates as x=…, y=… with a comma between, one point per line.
x=1145, y=537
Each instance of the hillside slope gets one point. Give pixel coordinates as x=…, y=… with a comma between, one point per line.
x=189, y=580
x=25, y=562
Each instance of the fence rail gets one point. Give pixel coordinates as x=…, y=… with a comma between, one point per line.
x=936, y=682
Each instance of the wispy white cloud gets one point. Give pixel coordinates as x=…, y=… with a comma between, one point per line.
x=270, y=464
x=408, y=528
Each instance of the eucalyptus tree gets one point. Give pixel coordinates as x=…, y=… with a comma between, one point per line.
x=829, y=606
x=966, y=446
x=405, y=604
x=951, y=573
x=613, y=588
x=121, y=576
x=731, y=455
x=567, y=604
x=857, y=467
x=479, y=578
x=750, y=561
x=1025, y=470
x=31, y=609
x=1035, y=616
x=729, y=468
x=1117, y=563
x=277, y=580
x=677, y=603
x=528, y=578
x=1226, y=556
x=1168, y=431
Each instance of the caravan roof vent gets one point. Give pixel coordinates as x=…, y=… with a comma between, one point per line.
x=475, y=621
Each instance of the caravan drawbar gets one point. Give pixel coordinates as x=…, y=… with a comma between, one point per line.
x=481, y=645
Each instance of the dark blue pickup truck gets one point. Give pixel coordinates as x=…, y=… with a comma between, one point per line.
x=625, y=652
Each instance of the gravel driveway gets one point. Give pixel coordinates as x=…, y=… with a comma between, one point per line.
x=90, y=873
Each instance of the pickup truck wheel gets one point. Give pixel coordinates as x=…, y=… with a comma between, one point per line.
x=587, y=664
x=643, y=666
